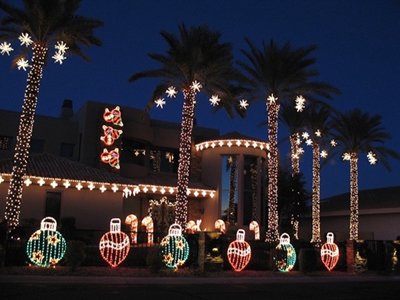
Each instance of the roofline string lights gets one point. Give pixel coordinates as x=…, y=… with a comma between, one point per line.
x=232, y=143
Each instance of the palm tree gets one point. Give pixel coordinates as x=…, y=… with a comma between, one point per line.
x=317, y=135
x=281, y=74
x=358, y=132
x=42, y=23
x=195, y=60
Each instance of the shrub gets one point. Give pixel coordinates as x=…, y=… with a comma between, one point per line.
x=308, y=260
x=75, y=254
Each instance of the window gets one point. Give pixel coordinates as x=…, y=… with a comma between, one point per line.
x=67, y=150
x=37, y=146
x=53, y=205
x=250, y=189
x=163, y=160
x=229, y=187
x=5, y=142
x=133, y=152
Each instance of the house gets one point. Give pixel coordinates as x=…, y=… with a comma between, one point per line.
x=106, y=161
x=379, y=215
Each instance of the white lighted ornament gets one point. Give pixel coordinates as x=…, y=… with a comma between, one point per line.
x=239, y=252
x=285, y=257
x=114, y=245
x=46, y=247
x=174, y=249
x=329, y=252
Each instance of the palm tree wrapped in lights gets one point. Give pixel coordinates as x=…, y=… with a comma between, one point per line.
x=358, y=132
x=197, y=61
x=316, y=135
x=39, y=25
x=281, y=74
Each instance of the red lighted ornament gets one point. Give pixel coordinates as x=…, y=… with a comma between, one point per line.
x=329, y=252
x=239, y=252
x=114, y=245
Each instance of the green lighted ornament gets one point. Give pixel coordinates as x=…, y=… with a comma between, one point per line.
x=285, y=257
x=174, y=248
x=46, y=247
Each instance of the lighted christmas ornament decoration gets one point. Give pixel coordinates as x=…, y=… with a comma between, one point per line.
x=148, y=222
x=46, y=247
x=220, y=225
x=329, y=252
x=174, y=249
x=113, y=116
x=256, y=228
x=114, y=245
x=285, y=257
x=239, y=252
x=132, y=220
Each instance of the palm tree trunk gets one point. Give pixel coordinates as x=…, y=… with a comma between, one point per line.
x=232, y=191
x=353, y=196
x=21, y=153
x=185, y=149
x=272, y=234
x=316, y=219
x=295, y=157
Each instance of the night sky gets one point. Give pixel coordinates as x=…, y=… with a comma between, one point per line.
x=358, y=52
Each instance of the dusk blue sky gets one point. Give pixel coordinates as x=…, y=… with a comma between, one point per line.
x=358, y=52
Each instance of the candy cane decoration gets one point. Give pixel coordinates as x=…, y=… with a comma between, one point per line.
x=148, y=222
x=133, y=222
x=254, y=226
x=220, y=224
x=191, y=227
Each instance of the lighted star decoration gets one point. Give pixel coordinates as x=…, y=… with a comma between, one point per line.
x=298, y=142
x=171, y=92
x=53, y=261
x=346, y=156
x=53, y=240
x=61, y=47
x=300, y=151
x=159, y=102
x=25, y=39
x=59, y=57
x=309, y=142
x=243, y=104
x=372, y=158
x=318, y=133
x=180, y=245
x=215, y=100
x=164, y=241
x=35, y=236
x=271, y=99
x=5, y=48
x=300, y=103
x=180, y=262
x=324, y=153
x=168, y=258
x=196, y=86
x=305, y=135
x=37, y=256
x=333, y=143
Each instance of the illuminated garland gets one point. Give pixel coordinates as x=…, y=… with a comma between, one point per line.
x=185, y=148
x=272, y=234
x=174, y=249
x=329, y=252
x=285, y=257
x=114, y=245
x=231, y=217
x=46, y=247
x=239, y=252
x=132, y=221
x=13, y=202
x=353, y=196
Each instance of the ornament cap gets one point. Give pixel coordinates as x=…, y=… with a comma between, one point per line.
x=284, y=239
x=48, y=223
x=175, y=230
x=115, y=225
x=329, y=237
x=240, y=235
